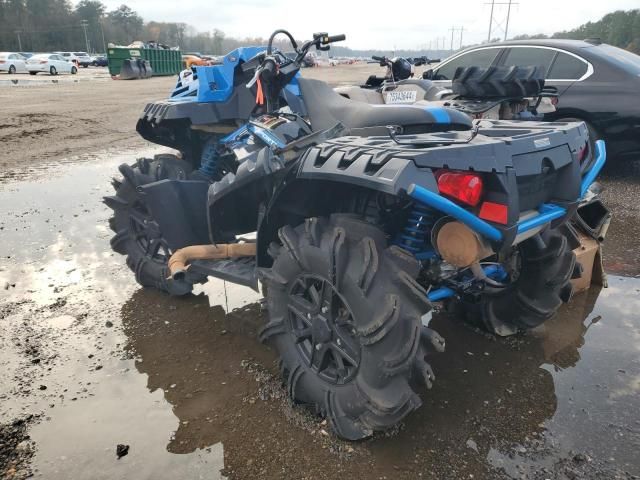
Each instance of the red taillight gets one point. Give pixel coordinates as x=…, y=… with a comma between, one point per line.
x=464, y=187
x=582, y=153
x=494, y=212
x=43, y=61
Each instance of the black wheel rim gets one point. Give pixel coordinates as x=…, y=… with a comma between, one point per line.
x=147, y=235
x=323, y=328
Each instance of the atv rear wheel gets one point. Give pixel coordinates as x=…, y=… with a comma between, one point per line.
x=345, y=316
x=137, y=235
x=539, y=286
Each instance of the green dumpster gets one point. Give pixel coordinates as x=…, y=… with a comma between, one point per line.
x=163, y=62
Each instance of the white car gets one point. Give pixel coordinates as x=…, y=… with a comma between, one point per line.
x=12, y=62
x=80, y=58
x=51, y=63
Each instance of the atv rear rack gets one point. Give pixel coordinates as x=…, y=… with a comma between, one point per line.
x=546, y=212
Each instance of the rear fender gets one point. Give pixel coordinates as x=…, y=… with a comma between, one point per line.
x=312, y=190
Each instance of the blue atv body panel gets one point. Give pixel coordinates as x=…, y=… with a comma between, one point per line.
x=215, y=83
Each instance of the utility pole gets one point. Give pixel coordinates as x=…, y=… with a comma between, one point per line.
x=506, y=28
x=452, y=29
x=493, y=2
x=461, y=30
x=503, y=22
x=18, y=32
x=104, y=44
x=84, y=24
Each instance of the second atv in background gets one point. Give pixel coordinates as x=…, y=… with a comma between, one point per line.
x=499, y=93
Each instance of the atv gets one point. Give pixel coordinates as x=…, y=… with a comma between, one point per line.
x=506, y=93
x=364, y=217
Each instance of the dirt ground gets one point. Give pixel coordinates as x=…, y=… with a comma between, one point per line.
x=90, y=361
x=44, y=121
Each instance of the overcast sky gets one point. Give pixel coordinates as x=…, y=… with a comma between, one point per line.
x=400, y=24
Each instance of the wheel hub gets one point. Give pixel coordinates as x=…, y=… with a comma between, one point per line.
x=320, y=330
x=323, y=328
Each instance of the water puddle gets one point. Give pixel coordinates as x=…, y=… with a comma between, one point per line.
x=176, y=379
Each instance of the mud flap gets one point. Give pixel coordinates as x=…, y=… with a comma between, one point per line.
x=179, y=207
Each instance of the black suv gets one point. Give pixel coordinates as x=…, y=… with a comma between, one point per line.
x=596, y=82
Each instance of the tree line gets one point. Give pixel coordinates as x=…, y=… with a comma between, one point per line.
x=50, y=25
x=620, y=28
x=57, y=25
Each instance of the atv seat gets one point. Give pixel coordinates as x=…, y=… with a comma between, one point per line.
x=326, y=107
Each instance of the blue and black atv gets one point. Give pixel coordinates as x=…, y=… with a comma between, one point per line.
x=364, y=217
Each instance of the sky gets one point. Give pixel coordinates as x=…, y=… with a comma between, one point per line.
x=409, y=24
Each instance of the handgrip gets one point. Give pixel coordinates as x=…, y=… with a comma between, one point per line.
x=268, y=68
x=334, y=38
x=378, y=59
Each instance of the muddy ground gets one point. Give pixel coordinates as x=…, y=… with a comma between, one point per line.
x=90, y=361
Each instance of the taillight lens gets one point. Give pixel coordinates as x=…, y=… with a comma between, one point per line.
x=43, y=61
x=493, y=212
x=582, y=153
x=465, y=187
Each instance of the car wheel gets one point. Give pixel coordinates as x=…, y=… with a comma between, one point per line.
x=12, y=69
x=53, y=71
x=74, y=70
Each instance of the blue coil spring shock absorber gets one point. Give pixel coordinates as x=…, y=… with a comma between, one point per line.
x=209, y=164
x=416, y=235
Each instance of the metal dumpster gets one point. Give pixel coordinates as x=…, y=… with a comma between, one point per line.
x=163, y=62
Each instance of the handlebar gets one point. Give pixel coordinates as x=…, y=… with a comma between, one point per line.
x=271, y=66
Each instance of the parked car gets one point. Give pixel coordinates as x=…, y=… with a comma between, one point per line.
x=51, y=63
x=80, y=58
x=596, y=82
x=100, y=61
x=12, y=62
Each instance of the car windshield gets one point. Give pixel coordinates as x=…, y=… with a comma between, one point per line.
x=80, y=54
x=629, y=62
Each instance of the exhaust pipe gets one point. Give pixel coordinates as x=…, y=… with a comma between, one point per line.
x=180, y=260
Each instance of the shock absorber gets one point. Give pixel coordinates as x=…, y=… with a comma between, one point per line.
x=209, y=160
x=416, y=235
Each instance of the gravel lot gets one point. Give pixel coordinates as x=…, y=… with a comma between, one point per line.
x=90, y=361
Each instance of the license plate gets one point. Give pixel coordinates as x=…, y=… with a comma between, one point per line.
x=404, y=96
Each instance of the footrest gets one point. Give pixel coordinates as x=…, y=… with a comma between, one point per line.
x=236, y=270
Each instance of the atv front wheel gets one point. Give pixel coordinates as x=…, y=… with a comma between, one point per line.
x=137, y=234
x=345, y=316
x=540, y=282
